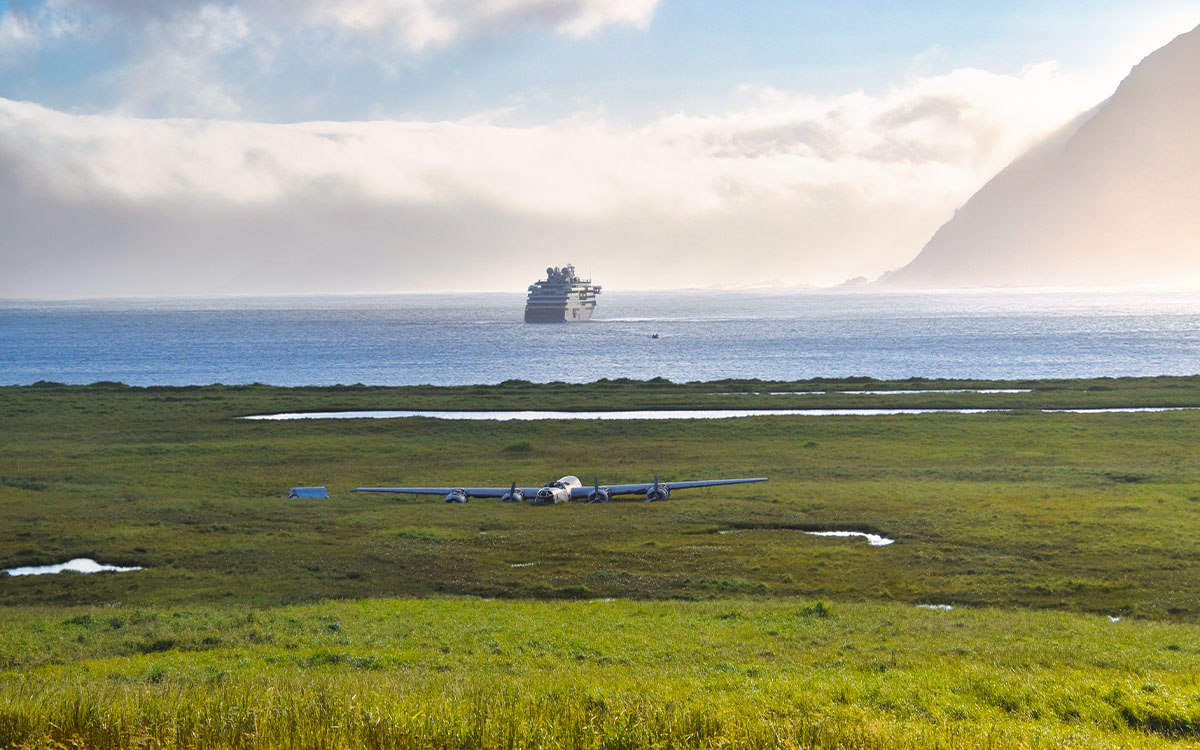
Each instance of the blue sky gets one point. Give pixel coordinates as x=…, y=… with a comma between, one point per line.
x=692, y=55
x=194, y=147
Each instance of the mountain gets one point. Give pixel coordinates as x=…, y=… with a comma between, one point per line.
x=1112, y=198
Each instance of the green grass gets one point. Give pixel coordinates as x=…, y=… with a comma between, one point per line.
x=392, y=622
x=595, y=674
x=1090, y=513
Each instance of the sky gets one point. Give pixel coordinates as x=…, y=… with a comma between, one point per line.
x=250, y=147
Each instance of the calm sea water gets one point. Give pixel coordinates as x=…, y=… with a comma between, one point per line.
x=411, y=339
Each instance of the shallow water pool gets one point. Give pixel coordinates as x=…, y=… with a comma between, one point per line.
x=505, y=416
x=872, y=539
x=78, y=565
x=528, y=416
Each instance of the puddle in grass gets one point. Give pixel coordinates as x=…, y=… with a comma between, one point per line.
x=875, y=540
x=872, y=539
x=946, y=607
x=942, y=390
x=79, y=565
x=528, y=416
x=1120, y=409
x=900, y=393
x=506, y=416
x=870, y=393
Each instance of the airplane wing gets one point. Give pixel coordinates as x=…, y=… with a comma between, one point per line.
x=472, y=491
x=640, y=489
x=577, y=493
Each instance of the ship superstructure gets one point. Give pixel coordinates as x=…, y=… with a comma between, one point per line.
x=562, y=297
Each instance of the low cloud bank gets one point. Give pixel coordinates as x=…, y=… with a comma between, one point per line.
x=785, y=189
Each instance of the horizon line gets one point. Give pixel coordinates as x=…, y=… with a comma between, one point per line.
x=843, y=288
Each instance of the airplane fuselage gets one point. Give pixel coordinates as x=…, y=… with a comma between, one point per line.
x=560, y=491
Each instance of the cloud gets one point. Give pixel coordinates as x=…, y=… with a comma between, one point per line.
x=410, y=25
x=179, y=68
x=968, y=122
x=200, y=58
x=23, y=31
x=415, y=25
x=16, y=32
x=819, y=189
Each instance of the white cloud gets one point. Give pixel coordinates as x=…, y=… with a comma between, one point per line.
x=23, y=31
x=590, y=15
x=966, y=124
x=193, y=58
x=411, y=25
x=16, y=32
x=178, y=70
x=416, y=25
x=821, y=189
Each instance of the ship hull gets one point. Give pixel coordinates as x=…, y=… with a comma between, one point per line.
x=557, y=315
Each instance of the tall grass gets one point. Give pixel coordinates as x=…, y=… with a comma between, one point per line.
x=603, y=674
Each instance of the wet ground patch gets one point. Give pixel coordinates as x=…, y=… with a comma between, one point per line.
x=78, y=565
x=872, y=535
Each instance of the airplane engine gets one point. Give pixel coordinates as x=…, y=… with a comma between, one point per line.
x=513, y=496
x=599, y=495
x=457, y=496
x=657, y=494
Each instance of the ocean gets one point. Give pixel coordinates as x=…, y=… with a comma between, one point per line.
x=480, y=338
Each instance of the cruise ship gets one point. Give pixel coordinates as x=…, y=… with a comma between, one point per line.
x=562, y=297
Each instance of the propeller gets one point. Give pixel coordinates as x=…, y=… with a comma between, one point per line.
x=652, y=491
x=658, y=492
x=598, y=495
x=514, y=495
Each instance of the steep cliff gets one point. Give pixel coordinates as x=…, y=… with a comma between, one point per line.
x=1112, y=198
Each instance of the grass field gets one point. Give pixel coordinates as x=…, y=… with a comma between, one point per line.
x=389, y=622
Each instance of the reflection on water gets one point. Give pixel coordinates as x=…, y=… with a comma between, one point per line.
x=883, y=393
x=78, y=565
x=525, y=416
x=872, y=539
x=505, y=416
x=1119, y=409
x=942, y=390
